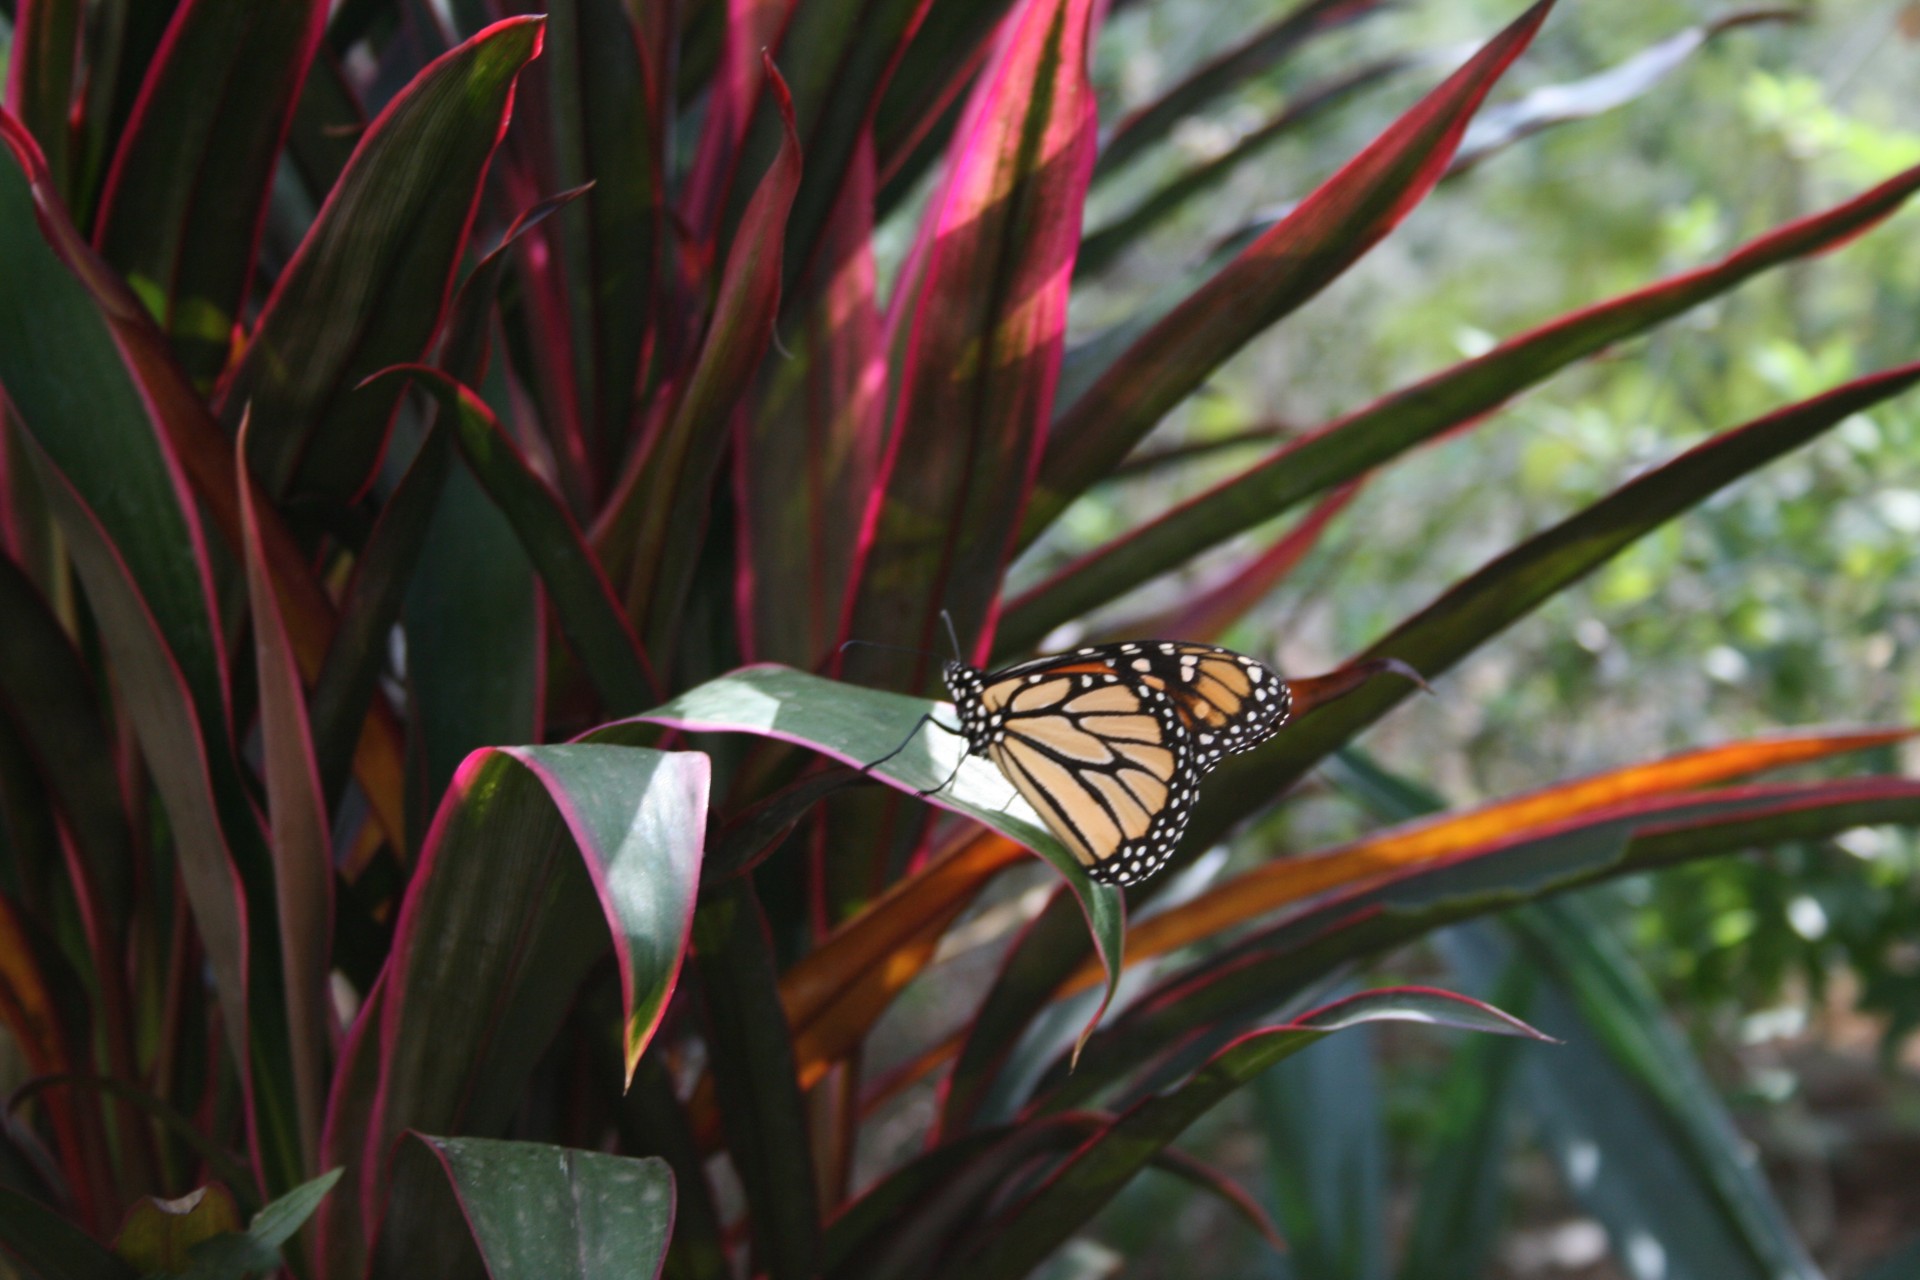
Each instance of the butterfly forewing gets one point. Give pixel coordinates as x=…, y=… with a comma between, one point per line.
x=1109, y=743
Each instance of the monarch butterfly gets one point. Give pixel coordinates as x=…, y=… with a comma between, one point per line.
x=1109, y=743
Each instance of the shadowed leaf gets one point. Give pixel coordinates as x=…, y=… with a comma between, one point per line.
x=368, y=285
x=187, y=194
x=1026, y=1234
x=528, y=1210
x=537, y=856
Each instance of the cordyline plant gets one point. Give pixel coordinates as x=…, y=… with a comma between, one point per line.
x=445, y=448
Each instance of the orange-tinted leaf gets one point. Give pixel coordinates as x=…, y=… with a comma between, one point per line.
x=1283, y=882
x=836, y=993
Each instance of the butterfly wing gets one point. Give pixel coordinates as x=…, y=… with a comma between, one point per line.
x=1108, y=744
x=1104, y=766
x=1230, y=702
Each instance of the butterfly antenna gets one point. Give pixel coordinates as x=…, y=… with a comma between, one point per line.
x=953, y=635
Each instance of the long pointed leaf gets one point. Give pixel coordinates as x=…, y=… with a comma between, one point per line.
x=1326, y=1156
x=121, y=501
x=1514, y=584
x=205, y=455
x=836, y=992
x=44, y=60
x=982, y=322
x=1286, y=881
x=538, y=854
x=1276, y=965
x=1462, y=1186
x=803, y=474
x=761, y=1109
x=1636, y=1173
x=345, y=686
x=476, y=631
x=301, y=843
x=659, y=516
x=1349, y=213
x=368, y=285
x=1352, y=445
x=1208, y=614
x=1105, y=243
x=921, y=104
x=1620, y=1011
x=1227, y=71
x=602, y=107
x=588, y=613
x=187, y=194
x=897, y=1228
x=1026, y=1234
x=1048, y=950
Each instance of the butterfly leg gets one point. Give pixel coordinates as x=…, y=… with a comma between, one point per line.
x=923, y=794
x=922, y=722
x=912, y=733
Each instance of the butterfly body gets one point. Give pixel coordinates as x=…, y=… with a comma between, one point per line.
x=1109, y=742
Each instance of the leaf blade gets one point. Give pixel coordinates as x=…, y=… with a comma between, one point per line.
x=1347, y=215
x=391, y=229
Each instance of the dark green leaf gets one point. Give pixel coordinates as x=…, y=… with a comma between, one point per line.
x=1026, y=1234
x=1462, y=1183
x=51, y=1248
x=538, y=855
x=533, y=1211
x=588, y=614
x=1618, y=1012
x=367, y=286
x=187, y=193
x=756, y=1080
x=1326, y=1156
